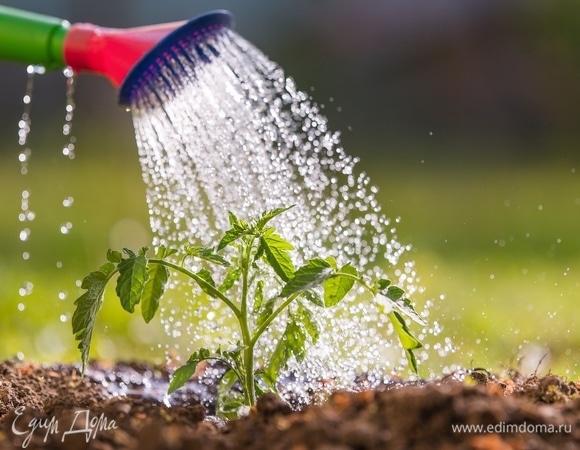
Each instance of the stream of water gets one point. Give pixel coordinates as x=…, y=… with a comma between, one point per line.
x=236, y=134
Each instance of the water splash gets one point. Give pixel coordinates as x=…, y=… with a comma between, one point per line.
x=238, y=135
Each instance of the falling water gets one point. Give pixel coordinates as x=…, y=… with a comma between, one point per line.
x=27, y=216
x=236, y=134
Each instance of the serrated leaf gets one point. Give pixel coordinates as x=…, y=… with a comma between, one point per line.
x=313, y=297
x=305, y=317
x=158, y=275
x=337, y=286
x=207, y=254
x=163, y=252
x=87, y=307
x=313, y=274
x=276, y=249
x=406, y=307
x=232, y=218
x=269, y=215
x=233, y=235
x=266, y=311
x=232, y=275
x=395, y=295
x=228, y=402
x=114, y=256
x=182, y=375
x=408, y=341
x=296, y=340
x=278, y=360
x=383, y=283
x=330, y=260
x=205, y=275
x=131, y=282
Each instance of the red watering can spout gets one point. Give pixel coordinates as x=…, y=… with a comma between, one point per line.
x=111, y=52
x=118, y=54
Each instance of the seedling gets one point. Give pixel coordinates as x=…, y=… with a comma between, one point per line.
x=248, y=255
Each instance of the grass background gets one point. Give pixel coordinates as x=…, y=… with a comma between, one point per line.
x=496, y=250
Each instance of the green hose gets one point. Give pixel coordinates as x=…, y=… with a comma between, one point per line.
x=31, y=38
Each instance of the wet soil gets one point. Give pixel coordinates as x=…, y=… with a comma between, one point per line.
x=122, y=406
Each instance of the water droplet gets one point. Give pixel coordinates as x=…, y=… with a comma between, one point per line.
x=26, y=288
x=66, y=227
x=24, y=234
x=68, y=201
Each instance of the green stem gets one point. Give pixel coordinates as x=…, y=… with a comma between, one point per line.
x=358, y=279
x=212, y=290
x=272, y=316
x=249, y=378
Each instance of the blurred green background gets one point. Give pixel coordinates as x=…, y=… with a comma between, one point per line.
x=465, y=114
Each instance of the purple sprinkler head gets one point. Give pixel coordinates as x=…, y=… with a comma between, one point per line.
x=188, y=37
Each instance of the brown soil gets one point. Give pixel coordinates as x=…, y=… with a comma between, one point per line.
x=122, y=407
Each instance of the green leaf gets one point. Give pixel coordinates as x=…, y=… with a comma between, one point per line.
x=382, y=284
x=395, y=293
x=266, y=311
x=205, y=275
x=278, y=360
x=276, y=249
x=258, y=296
x=163, y=252
x=269, y=215
x=232, y=218
x=87, y=307
x=404, y=305
x=132, y=277
x=305, y=318
x=296, y=340
x=206, y=254
x=182, y=375
x=314, y=298
x=313, y=274
x=158, y=275
x=232, y=275
x=228, y=402
x=293, y=342
x=408, y=341
x=114, y=256
x=239, y=229
x=337, y=286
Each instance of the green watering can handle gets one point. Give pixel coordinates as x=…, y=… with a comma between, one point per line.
x=31, y=38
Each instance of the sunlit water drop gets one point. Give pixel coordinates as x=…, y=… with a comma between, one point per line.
x=238, y=135
x=26, y=215
x=69, y=149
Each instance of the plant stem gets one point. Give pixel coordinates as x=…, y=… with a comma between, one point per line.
x=272, y=316
x=249, y=378
x=212, y=290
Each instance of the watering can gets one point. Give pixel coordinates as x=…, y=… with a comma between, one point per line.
x=118, y=54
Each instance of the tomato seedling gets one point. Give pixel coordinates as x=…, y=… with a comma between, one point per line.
x=248, y=255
